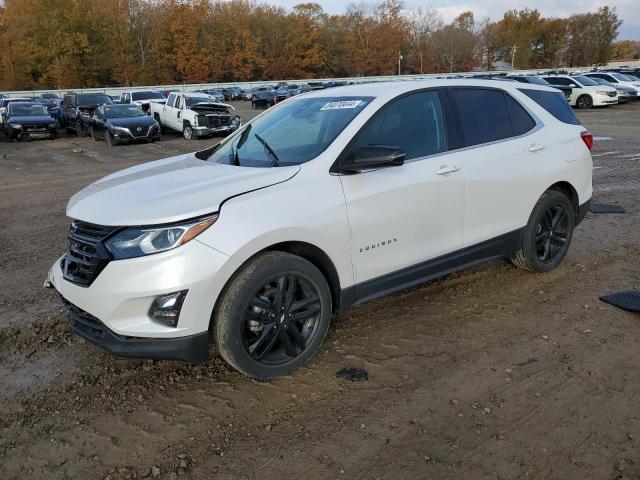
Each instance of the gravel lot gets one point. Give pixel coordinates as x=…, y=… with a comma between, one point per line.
x=489, y=373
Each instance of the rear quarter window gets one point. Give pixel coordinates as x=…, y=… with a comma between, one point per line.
x=554, y=103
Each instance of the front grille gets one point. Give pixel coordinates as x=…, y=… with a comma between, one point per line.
x=83, y=323
x=214, y=121
x=139, y=133
x=86, y=256
x=35, y=128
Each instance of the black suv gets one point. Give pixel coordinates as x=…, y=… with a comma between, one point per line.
x=77, y=110
x=565, y=89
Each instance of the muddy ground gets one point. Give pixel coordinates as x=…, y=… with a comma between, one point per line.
x=489, y=373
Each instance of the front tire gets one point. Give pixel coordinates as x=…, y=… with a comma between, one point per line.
x=584, y=102
x=79, y=129
x=109, y=138
x=273, y=316
x=187, y=132
x=547, y=236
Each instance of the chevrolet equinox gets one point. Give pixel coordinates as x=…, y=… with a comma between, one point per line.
x=328, y=200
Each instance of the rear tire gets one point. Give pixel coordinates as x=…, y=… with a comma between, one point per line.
x=263, y=337
x=547, y=236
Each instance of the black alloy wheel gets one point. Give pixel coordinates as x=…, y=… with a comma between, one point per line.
x=281, y=319
x=273, y=315
x=553, y=234
x=546, y=238
x=584, y=102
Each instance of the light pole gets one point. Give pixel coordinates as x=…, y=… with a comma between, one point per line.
x=514, y=49
x=399, y=60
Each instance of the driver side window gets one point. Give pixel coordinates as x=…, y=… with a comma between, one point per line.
x=171, y=101
x=415, y=123
x=179, y=102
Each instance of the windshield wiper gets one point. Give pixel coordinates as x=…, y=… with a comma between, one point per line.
x=275, y=161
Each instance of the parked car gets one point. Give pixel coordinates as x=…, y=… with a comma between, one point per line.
x=248, y=94
x=216, y=94
x=625, y=92
x=4, y=103
x=291, y=91
x=617, y=79
x=585, y=93
x=29, y=120
x=195, y=115
x=143, y=98
x=375, y=188
x=77, y=110
x=237, y=93
x=265, y=98
x=123, y=123
x=565, y=89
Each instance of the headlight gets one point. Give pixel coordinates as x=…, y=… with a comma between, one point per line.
x=140, y=241
x=53, y=125
x=121, y=129
x=14, y=125
x=602, y=92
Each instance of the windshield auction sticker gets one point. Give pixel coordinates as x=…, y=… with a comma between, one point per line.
x=346, y=104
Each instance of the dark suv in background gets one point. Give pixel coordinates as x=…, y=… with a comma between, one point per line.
x=78, y=108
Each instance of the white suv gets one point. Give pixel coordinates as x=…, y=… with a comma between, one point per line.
x=325, y=201
x=586, y=93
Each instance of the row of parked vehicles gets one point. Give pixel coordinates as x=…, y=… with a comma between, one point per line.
x=142, y=115
x=582, y=90
x=134, y=116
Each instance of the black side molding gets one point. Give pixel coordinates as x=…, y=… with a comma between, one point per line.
x=501, y=246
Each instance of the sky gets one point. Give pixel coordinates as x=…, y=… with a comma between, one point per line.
x=628, y=10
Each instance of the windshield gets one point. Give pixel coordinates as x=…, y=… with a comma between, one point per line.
x=122, y=111
x=190, y=101
x=601, y=81
x=146, y=95
x=633, y=78
x=90, y=99
x=291, y=134
x=27, y=110
x=586, y=81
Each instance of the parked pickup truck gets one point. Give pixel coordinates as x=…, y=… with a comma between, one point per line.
x=195, y=115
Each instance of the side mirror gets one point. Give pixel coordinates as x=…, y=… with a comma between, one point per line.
x=573, y=85
x=373, y=156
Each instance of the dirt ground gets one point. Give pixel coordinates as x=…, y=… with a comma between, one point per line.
x=490, y=373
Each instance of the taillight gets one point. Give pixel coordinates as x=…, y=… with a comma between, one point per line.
x=587, y=138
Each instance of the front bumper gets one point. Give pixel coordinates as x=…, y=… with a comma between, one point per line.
x=31, y=132
x=125, y=137
x=121, y=295
x=582, y=212
x=192, y=349
x=202, y=131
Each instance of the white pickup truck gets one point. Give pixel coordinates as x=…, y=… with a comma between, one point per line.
x=195, y=115
x=143, y=98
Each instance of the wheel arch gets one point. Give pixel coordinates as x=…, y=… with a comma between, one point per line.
x=313, y=254
x=569, y=190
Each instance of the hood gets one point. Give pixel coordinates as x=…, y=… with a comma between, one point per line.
x=168, y=190
x=132, y=122
x=151, y=100
x=209, y=106
x=32, y=120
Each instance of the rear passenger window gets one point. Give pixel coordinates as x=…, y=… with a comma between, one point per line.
x=554, y=103
x=414, y=122
x=520, y=118
x=484, y=115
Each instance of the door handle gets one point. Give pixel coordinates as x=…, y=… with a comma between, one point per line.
x=536, y=148
x=444, y=169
